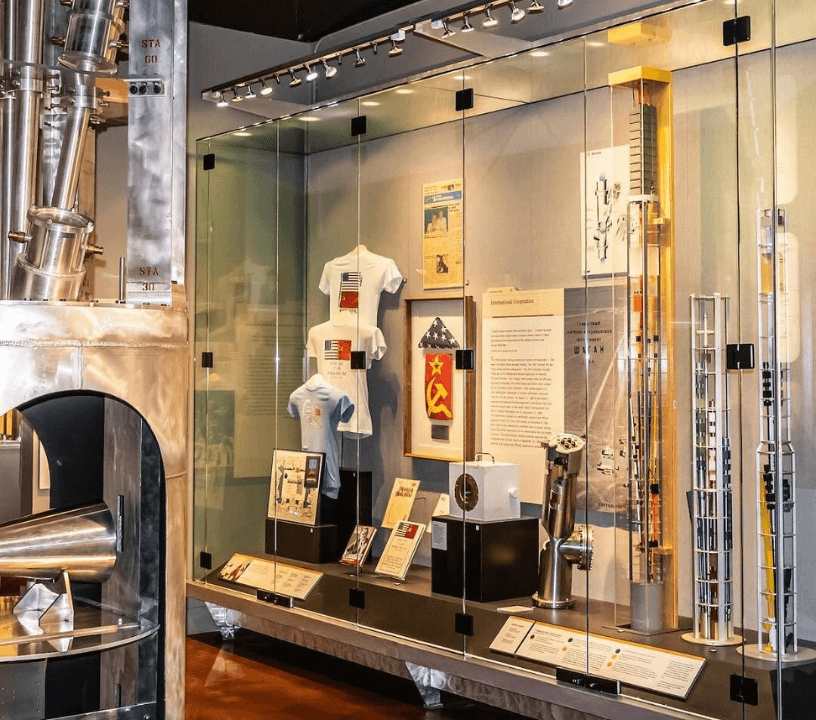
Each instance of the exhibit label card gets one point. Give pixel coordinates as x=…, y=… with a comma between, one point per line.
x=400, y=549
x=662, y=671
x=271, y=576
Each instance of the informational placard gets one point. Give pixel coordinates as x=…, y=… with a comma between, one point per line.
x=661, y=671
x=522, y=379
x=442, y=235
x=271, y=576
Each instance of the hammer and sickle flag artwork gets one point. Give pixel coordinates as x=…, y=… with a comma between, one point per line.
x=438, y=371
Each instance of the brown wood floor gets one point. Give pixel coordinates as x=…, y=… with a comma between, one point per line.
x=254, y=677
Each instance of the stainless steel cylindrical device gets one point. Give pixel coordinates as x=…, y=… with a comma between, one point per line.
x=80, y=541
x=93, y=34
x=564, y=546
x=53, y=264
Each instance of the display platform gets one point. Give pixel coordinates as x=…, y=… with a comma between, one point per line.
x=390, y=608
x=94, y=629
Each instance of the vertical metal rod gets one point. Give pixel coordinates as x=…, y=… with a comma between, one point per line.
x=29, y=99
x=122, y=280
x=8, y=147
x=73, y=146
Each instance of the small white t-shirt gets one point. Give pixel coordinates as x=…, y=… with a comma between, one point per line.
x=332, y=345
x=354, y=282
x=321, y=408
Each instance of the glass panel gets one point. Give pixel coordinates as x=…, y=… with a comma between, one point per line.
x=410, y=256
x=659, y=458
x=240, y=392
x=794, y=111
x=201, y=467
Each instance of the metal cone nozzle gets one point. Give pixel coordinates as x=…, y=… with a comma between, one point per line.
x=80, y=541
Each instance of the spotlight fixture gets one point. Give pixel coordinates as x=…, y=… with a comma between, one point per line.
x=490, y=21
x=535, y=7
x=466, y=26
x=516, y=13
x=222, y=100
x=311, y=74
x=265, y=89
x=331, y=71
x=374, y=46
x=395, y=49
x=277, y=79
x=251, y=93
x=360, y=61
x=564, y=3
x=295, y=81
x=448, y=32
x=237, y=97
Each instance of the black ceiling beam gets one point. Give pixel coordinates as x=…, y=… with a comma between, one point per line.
x=303, y=20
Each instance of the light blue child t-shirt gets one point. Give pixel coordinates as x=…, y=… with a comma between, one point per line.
x=321, y=408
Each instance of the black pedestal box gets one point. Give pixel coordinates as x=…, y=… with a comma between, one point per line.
x=326, y=540
x=501, y=557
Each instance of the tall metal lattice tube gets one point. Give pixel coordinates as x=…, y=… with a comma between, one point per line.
x=644, y=374
x=778, y=347
x=712, y=502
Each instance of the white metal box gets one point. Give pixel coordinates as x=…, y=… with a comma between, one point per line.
x=484, y=490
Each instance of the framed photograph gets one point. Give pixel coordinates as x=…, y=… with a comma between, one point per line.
x=294, y=486
x=359, y=545
x=440, y=401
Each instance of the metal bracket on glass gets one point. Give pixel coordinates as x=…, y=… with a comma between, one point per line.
x=209, y=161
x=430, y=683
x=740, y=357
x=146, y=86
x=205, y=560
x=466, y=359
x=737, y=30
x=275, y=599
x=744, y=690
x=464, y=99
x=226, y=620
x=358, y=125
x=358, y=360
x=463, y=624
x=357, y=598
x=588, y=682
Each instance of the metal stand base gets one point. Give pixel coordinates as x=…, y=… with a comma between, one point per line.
x=754, y=652
x=552, y=604
x=689, y=637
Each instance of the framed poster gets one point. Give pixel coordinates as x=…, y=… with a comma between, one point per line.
x=440, y=401
x=294, y=486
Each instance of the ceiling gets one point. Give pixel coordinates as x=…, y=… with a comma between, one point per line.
x=302, y=20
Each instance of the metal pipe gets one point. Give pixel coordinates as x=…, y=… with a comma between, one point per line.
x=66, y=181
x=29, y=100
x=7, y=147
x=564, y=546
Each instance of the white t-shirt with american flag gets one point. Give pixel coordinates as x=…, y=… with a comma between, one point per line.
x=332, y=345
x=354, y=282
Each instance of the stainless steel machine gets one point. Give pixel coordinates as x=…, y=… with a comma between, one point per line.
x=565, y=546
x=93, y=391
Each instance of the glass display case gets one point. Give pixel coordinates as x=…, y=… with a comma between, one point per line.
x=513, y=360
